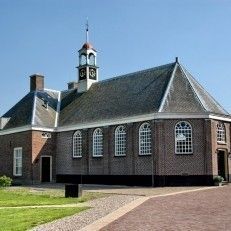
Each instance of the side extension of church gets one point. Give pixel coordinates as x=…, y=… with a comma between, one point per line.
x=155, y=127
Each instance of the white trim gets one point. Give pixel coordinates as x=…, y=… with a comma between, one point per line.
x=219, y=118
x=34, y=108
x=15, y=130
x=167, y=89
x=117, y=148
x=203, y=104
x=94, y=136
x=131, y=119
x=150, y=143
x=74, y=150
x=58, y=110
x=104, y=123
x=50, y=167
x=46, y=89
x=191, y=130
x=14, y=161
x=34, y=128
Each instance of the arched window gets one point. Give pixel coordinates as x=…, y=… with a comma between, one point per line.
x=183, y=138
x=145, y=144
x=97, y=142
x=77, y=144
x=221, y=136
x=92, y=59
x=83, y=59
x=120, y=141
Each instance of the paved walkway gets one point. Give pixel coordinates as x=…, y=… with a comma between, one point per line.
x=169, y=209
x=198, y=210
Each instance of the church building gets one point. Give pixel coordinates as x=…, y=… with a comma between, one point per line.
x=156, y=127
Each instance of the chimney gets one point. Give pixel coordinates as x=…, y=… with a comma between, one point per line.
x=72, y=85
x=36, y=82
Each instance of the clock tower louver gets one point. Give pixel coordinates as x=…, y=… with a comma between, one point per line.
x=87, y=69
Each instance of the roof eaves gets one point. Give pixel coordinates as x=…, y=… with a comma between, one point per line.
x=167, y=89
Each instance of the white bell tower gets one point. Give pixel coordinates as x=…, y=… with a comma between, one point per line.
x=87, y=69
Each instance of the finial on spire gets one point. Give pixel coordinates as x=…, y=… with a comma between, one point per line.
x=87, y=27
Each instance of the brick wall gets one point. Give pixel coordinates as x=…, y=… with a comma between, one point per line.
x=164, y=161
x=8, y=143
x=42, y=147
x=33, y=147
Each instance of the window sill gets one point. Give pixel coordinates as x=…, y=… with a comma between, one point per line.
x=221, y=142
x=97, y=156
x=76, y=157
x=17, y=175
x=119, y=155
x=145, y=154
x=184, y=154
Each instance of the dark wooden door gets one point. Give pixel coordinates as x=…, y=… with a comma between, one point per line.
x=46, y=169
x=221, y=160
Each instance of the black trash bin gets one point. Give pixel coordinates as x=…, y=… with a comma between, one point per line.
x=72, y=190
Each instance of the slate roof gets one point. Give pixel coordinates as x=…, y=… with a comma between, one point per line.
x=186, y=95
x=30, y=110
x=165, y=89
x=133, y=94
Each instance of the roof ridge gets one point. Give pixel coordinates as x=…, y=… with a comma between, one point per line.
x=136, y=72
x=168, y=88
x=196, y=94
x=208, y=94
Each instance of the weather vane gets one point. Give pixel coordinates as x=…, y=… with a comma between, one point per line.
x=87, y=27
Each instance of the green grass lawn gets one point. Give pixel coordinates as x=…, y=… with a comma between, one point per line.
x=23, y=197
x=23, y=219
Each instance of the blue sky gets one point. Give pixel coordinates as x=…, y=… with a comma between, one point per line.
x=44, y=36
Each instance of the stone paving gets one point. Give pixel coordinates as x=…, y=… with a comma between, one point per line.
x=194, y=211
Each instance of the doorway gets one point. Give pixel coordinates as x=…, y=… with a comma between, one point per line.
x=222, y=164
x=46, y=169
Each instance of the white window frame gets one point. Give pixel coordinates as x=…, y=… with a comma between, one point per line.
x=17, y=161
x=77, y=147
x=185, y=136
x=91, y=59
x=120, y=141
x=221, y=133
x=145, y=139
x=97, y=143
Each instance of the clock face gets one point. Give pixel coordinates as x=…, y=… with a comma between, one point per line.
x=92, y=73
x=82, y=74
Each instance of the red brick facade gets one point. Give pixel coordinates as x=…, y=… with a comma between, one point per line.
x=33, y=147
x=162, y=165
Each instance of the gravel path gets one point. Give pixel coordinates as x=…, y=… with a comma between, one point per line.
x=100, y=208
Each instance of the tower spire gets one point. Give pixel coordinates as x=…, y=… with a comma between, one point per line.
x=87, y=35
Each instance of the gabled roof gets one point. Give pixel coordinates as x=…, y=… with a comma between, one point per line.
x=31, y=110
x=163, y=90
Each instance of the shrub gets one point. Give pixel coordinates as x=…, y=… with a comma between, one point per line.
x=5, y=181
x=218, y=179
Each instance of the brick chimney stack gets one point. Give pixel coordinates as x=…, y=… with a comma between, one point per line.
x=36, y=82
x=72, y=85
